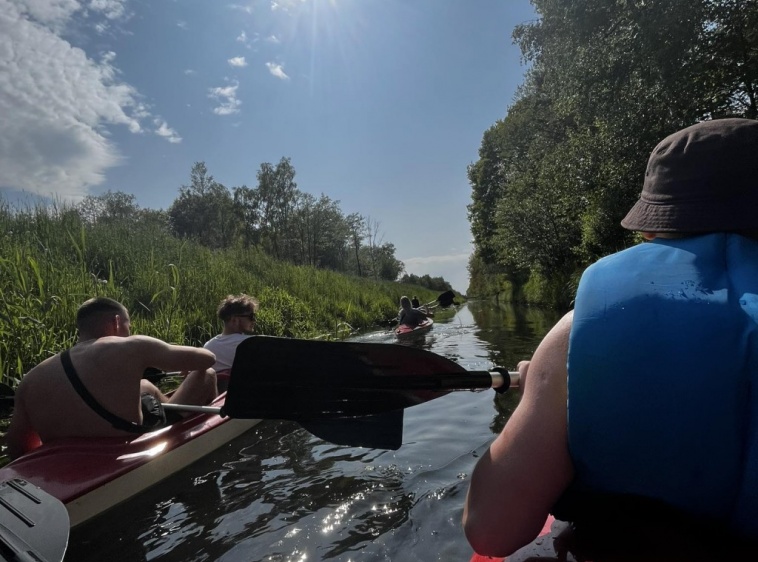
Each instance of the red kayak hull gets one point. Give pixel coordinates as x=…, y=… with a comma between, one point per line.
x=91, y=475
x=539, y=549
x=404, y=331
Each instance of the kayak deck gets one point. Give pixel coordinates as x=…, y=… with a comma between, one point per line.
x=90, y=475
x=403, y=331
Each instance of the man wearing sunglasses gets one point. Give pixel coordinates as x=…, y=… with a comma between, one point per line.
x=238, y=313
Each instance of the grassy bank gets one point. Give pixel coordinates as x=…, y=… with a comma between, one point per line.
x=53, y=260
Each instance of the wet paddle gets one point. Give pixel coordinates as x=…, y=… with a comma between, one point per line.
x=332, y=387
x=156, y=375
x=6, y=400
x=34, y=525
x=294, y=379
x=348, y=393
x=444, y=300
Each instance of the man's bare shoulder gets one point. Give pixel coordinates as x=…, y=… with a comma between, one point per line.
x=39, y=371
x=563, y=325
x=551, y=355
x=135, y=340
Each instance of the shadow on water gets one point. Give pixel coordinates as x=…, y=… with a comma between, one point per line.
x=278, y=494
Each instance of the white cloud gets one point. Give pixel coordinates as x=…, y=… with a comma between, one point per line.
x=166, y=132
x=111, y=9
x=248, y=9
x=190, y=72
x=181, y=24
x=237, y=61
x=227, y=98
x=285, y=5
x=277, y=70
x=273, y=39
x=54, y=14
x=242, y=38
x=56, y=102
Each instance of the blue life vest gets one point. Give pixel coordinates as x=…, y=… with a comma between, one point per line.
x=663, y=366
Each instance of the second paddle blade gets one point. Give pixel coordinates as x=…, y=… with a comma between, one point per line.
x=34, y=525
x=282, y=378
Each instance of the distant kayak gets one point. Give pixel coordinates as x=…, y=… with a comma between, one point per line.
x=403, y=331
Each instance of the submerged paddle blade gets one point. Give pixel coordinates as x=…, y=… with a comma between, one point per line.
x=281, y=378
x=34, y=525
x=382, y=431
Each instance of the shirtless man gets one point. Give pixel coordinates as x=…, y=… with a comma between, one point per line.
x=109, y=362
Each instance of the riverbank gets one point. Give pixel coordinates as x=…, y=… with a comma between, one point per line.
x=53, y=260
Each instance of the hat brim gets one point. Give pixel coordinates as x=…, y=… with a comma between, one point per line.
x=692, y=216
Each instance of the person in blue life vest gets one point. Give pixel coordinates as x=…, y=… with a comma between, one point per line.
x=647, y=392
x=238, y=314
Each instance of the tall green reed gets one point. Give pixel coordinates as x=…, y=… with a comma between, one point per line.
x=53, y=260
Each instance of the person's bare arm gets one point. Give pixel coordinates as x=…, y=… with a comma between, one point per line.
x=525, y=470
x=20, y=438
x=161, y=355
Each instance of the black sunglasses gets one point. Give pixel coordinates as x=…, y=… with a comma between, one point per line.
x=250, y=316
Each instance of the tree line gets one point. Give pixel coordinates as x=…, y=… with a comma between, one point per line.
x=275, y=216
x=606, y=81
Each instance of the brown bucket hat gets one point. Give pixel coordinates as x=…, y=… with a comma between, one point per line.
x=701, y=179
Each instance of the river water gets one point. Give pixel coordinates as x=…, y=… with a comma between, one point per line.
x=278, y=494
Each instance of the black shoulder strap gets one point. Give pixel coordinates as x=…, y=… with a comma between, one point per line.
x=81, y=390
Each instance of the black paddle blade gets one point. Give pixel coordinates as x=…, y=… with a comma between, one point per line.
x=33, y=524
x=281, y=378
x=382, y=431
x=7, y=395
x=446, y=299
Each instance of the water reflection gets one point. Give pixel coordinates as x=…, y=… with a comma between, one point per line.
x=278, y=494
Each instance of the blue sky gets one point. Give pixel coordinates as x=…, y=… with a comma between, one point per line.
x=380, y=104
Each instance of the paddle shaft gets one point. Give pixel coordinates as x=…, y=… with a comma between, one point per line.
x=448, y=381
x=465, y=380
x=190, y=408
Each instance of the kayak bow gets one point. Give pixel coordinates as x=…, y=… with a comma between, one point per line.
x=90, y=475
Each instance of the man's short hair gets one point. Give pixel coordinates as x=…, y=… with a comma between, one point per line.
x=236, y=304
x=93, y=312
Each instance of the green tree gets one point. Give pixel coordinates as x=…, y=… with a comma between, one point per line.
x=322, y=232
x=204, y=210
x=607, y=80
x=275, y=197
x=247, y=212
x=108, y=207
x=356, y=226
